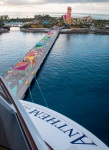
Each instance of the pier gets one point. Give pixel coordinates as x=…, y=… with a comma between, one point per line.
x=20, y=76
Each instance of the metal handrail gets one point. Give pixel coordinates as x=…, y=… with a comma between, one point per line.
x=33, y=137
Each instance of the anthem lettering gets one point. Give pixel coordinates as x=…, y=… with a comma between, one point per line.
x=76, y=137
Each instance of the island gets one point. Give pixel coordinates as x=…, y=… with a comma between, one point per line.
x=45, y=22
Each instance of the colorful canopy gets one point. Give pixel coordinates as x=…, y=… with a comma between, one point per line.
x=50, y=34
x=21, y=63
x=23, y=67
x=45, y=38
x=39, y=47
x=31, y=58
x=40, y=44
x=32, y=53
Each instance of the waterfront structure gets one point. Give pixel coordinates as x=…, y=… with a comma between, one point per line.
x=21, y=75
x=87, y=19
x=68, y=17
x=44, y=129
x=82, y=20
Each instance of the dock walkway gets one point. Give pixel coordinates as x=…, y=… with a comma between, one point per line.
x=21, y=75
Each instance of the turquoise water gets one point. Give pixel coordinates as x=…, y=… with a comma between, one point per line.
x=74, y=78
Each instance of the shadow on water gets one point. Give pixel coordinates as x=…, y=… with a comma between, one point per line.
x=74, y=77
x=33, y=83
x=75, y=82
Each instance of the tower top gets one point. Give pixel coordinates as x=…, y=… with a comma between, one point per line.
x=69, y=9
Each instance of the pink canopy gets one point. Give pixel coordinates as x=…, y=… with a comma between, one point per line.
x=23, y=67
x=32, y=53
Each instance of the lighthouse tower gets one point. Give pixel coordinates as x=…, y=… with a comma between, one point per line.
x=68, y=16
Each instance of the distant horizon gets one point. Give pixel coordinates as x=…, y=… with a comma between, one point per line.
x=57, y=12
x=53, y=14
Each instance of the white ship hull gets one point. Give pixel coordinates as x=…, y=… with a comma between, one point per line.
x=60, y=132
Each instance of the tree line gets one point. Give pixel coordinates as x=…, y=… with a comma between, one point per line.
x=2, y=19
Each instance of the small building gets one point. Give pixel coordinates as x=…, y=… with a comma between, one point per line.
x=46, y=22
x=34, y=22
x=85, y=19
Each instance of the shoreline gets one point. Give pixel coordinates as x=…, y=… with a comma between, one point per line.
x=68, y=31
x=2, y=30
x=35, y=30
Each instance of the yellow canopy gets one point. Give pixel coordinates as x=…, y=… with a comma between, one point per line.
x=31, y=58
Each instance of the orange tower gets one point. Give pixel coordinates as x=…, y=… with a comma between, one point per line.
x=68, y=17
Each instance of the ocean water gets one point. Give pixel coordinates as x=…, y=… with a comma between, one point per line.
x=74, y=77
x=31, y=14
x=13, y=47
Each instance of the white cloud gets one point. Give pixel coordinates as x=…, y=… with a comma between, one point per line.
x=35, y=6
x=21, y=2
x=35, y=2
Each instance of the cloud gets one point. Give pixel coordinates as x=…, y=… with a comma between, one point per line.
x=36, y=2
x=21, y=2
x=75, y=1
x=78, y=6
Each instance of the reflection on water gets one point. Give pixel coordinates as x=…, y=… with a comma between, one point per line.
x=14, y=45
x=75, y=81
x=15, y=29
x=74, y=78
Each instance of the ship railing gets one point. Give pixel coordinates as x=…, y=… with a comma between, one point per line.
x=12, y=104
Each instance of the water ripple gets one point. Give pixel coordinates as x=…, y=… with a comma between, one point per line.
x=74, y=78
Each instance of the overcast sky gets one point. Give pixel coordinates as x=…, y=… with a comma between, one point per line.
x=78, y=6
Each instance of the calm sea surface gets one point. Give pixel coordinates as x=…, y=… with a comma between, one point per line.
x=74, y=78
x=31, y=14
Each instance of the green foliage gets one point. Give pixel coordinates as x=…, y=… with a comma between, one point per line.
x=1, y=23
x=26, y=26
x=48, y=25
x=59, y=21
x=20, y=19
x=101, y=24
x=2, y=19
x=43, y=18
